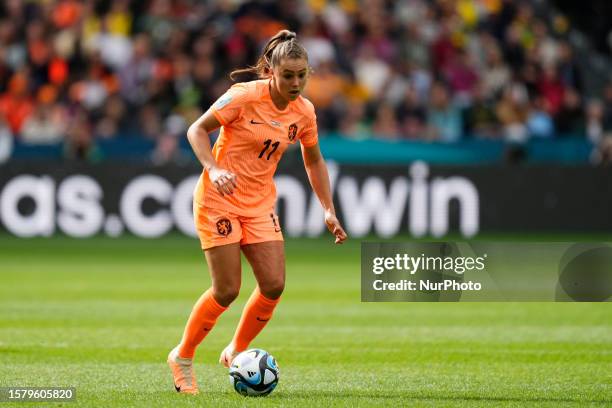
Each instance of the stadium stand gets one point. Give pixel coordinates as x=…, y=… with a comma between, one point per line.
x=499, y=79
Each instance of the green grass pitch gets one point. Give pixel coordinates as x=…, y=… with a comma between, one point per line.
x=102, y=314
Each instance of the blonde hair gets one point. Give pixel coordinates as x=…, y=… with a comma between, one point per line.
x=283, y=45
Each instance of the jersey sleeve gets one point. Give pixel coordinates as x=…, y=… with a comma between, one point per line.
x=310, y=134
x=228, y=107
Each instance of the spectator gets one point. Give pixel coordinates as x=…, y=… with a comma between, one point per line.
x=135, y=75
x=114, y=119
x=91, y=92
x=115, y=49
x=79, y=143
x=378, y=40
x=159, y=20
x=44, y=126
x=167, y=149
x=545, y=46
x=569, y=73
x=421, y=80
x=385, y=124
x=150, y=121
x=411, y=114
x=66, y=13
x=481, y=120
x=442, y=49
x=595, y=121
x=539, y=122
x=530, y=77
x=496, y=74
x=371, y=71
x=444, y=119
x=514, y=52
x=16, y=104
x=413, y=48
x=570, y=118
x=551, y=88
x=14, y=54
x=512, y=113
x=203, y=78
x=462, y=78
x=183, y=82
x=39, y=51
x=353, y=124
x=320, y=49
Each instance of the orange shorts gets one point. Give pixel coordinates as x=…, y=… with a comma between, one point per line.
x=217, y=227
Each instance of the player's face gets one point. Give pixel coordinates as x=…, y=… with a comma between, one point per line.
x=290, y=77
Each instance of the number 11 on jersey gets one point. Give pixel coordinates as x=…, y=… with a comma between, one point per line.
x=267, y=144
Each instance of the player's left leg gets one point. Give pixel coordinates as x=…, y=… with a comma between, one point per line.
x=268, y=262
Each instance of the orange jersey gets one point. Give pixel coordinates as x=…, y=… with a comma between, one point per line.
x=254, y=135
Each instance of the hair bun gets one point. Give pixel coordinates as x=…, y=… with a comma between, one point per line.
x=287, y=35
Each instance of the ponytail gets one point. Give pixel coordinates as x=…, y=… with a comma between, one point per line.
x=283, y=45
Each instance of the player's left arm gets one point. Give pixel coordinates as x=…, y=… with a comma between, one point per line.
x=319, y=180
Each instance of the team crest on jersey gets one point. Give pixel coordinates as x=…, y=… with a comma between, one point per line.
x=292, y=131
x=224, y=227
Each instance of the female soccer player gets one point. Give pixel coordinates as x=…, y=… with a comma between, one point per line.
x=235, y=196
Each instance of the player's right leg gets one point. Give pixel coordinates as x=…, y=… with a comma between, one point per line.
x=224, y=266
x=222, y=251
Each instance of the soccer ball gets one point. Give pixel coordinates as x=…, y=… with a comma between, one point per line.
x=254, y=373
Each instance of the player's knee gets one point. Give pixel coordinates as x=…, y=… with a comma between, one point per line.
x=227, y=294
x=273, y=289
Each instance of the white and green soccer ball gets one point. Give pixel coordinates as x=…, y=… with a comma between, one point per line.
x=254, y=373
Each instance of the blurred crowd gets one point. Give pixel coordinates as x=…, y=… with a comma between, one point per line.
x=78, y=72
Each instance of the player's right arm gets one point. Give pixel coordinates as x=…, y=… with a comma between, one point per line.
x=197, y=134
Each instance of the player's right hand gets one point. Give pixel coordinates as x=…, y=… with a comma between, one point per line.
x=224, y=180
x=333, y=225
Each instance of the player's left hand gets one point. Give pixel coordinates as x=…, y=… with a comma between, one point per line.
x=333, y=225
